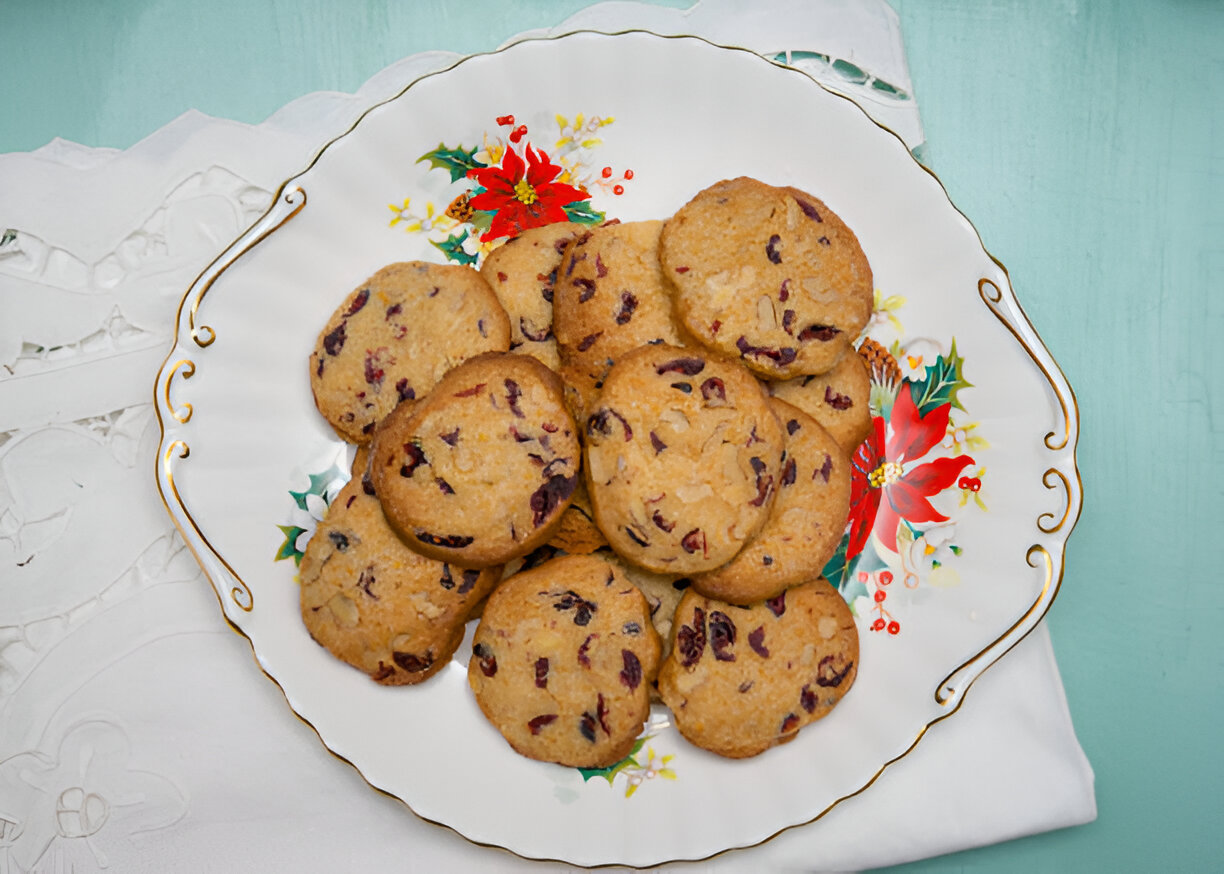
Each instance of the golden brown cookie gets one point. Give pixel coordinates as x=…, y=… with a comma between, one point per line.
x=740, y=680
x=395, y=335
x=479, y=471
x=610, y=298
x=376, y=604
x=522, y=272
x=768, y=275
x=839, y=400
x=805, y=525
x=683, y=455
x=563, y=660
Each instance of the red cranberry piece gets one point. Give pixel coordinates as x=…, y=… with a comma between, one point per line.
x=825, y=469
x=541, y=673
x=549, y=496
x=788, y=321
x=693, y=541
x=452, y=438
x=586, y=725
x=832, y=670
x=588, y=341
x=756, y=640
x=534, y=725
x=365, y=580
x=413, y=663
x=628, y=303
x=788, y=472
x=777, y=604
x=808, y=210
x=374, y=372
x=658, y=519
x=784, y=291
x=358, y=302
x=691, y=639
x=382, y=673
x=600, y=269
x=808, y=699
x=513, y=393
x=340, y=541
x=658, y=444
x=416, y=457
x=824, y=333
x=583, y=658
x=486, y=661
x=722, y=636
x=790, y=723
x=837, y=401
x=791, y=427
x=367, y=484
x=686, y=366
x=404, y=390
x=773, y=249
x=444, y=486
x=714, y=389
x=601, y=712
x=601, y=423
x=334, y=341
x=586, y=289
x=636, y=536
x=631, y=673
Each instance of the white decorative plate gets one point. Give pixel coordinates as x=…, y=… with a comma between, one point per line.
x=964, y=495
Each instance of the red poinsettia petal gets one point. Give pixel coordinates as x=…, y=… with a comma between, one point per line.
x=559, y=192
x=540, y=171
x=906, y=502
x=491, y=201
x=495, y=180
x=935, y=476
x=507, y=222
x=914, y=435
x=862, y=518
x=887, y=520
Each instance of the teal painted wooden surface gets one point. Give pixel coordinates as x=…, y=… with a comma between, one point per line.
x=1082, y=139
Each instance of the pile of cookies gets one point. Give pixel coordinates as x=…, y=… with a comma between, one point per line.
x=627, y=450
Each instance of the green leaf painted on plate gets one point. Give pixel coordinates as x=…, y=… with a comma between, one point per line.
x=940, y=385
x=583, y=212
x=836, y=571
x=457, y=161
x=289, y=549
x=320, y=485
x=609, y=773
x=452, y=248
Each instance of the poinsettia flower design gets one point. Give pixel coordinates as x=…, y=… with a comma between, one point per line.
x=886, y=485
x=522, y=195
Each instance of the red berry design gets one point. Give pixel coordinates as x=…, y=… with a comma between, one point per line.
x=972, y=483
x=518, y=133
x=886, y=577
x=628, y=174
x=507, y=120
x=878, y=625
x=618, y=189
x=894, y=627
x=880, y=595
x=606, y=172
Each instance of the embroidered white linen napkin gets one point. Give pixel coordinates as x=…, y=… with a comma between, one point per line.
x=136, y=731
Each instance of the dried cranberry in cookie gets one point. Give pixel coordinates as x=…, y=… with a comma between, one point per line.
x=839, y=400
x=683, y=456
x=481, y=470
x=523, y=274
x=376, y=604
x=768, y=275
x=805, y=525
x=563, y=661
x=741, y=679
x=610, y=297
x=395, y=335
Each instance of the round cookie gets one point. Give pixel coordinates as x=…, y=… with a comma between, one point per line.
x=839, y=400
x=393, y=338
x=769, y=275
x=522, y=272
x=376, y=604
x=683, y=456
x=480, y=470
x=805, y=525
x=563, y=660
x=740, y=680
x=610, y=297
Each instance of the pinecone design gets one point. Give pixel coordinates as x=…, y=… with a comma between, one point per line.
x=885, y=371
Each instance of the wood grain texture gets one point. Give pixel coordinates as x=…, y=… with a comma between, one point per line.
x=1082, y=139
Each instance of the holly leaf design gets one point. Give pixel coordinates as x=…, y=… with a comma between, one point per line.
x=942, y=381
x=452, y=248
x=582, y=212
x=320, y=483
x=837, y=569
x=457, y=161
x=289, y=548
x=609, y=773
